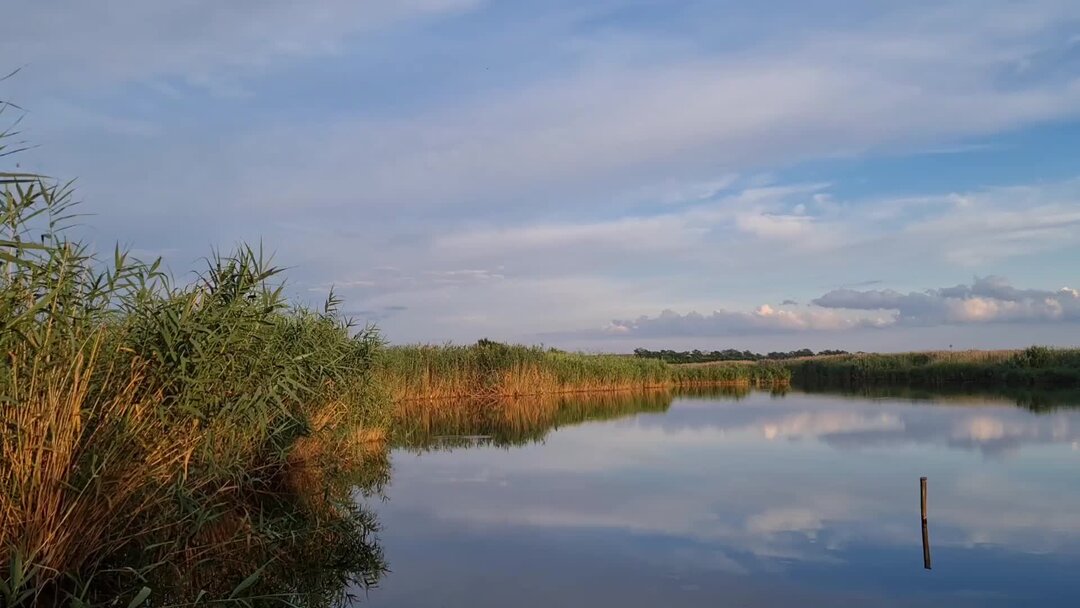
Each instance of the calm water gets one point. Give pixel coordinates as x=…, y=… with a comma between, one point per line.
x=761, y=501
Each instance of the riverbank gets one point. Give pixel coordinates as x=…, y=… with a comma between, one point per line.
x=1034, y=367
x=492, y=370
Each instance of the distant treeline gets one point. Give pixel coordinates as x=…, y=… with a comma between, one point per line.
x=730, y=354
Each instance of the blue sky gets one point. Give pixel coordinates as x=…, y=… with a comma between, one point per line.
x=598, y=175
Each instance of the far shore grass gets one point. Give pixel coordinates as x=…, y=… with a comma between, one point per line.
x=491, y=369
x=1033, y=367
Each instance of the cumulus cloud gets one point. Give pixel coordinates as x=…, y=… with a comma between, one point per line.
x=987, y=299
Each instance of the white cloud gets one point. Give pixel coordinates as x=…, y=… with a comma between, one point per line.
x=979, y=227
x=652, y=233
x=599, y=130
x=774, y=226
x=987, y=299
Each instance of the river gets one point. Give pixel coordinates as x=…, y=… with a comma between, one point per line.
x=741, y=499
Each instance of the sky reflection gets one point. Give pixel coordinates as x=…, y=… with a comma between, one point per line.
x=764, y=501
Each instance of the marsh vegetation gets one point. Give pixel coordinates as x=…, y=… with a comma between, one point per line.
x=150, y=429
x=491, y=369
x=1034, y=367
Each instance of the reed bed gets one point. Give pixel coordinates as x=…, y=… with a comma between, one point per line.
x=970, y=356
x=1032, y=367
x=492, y=370
x=148, y=431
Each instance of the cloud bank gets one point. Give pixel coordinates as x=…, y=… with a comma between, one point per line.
x=989, y=299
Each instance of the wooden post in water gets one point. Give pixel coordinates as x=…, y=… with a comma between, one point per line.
x=925, y=527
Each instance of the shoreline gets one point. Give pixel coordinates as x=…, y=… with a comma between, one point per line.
x=590, y=391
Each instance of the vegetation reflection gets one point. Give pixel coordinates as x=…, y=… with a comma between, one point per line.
x=519, y=421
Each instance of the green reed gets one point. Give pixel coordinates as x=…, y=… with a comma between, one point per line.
x=1037, y=366
x=492, y=369
x=150, y=431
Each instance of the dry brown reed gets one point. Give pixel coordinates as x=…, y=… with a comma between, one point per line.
x=63, y=522
x=491, y=370
x=518, y=381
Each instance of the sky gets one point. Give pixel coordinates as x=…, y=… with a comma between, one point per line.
x=597, y=176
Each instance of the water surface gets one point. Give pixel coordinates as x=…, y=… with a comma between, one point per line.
x=764, y=500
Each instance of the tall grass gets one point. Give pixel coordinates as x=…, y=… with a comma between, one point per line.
x=490, y=369
x=146, y=427
x=1032, y=367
